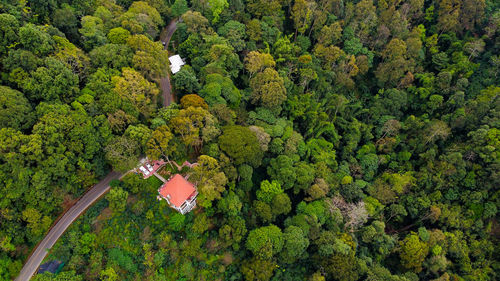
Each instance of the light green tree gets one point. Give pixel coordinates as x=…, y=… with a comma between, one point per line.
x=117, y=198
x=265, y=242
x=211, y=182
x=217, y=6
x=295, y=245
x=413, y=252
x=268, y=190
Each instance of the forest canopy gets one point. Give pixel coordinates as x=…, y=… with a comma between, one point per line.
x=335, y=140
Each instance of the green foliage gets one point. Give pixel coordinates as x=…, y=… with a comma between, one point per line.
x=34, y=39
x=343, y=267
x=321, y=150
x=137, y=93
x=117, y=198
x=115, y=56
x=63, y=276
x=92, y=32
x=109, y=274
x=369, y=164
x=221, y=57
x=179, y=7
x=122, y=259
x=149, y=57
x=220, y=90
x=281, y=169
x=159, y=143
x=233, y=231
x=210, y=180
x=141, y=18
x=122, y=153
x=16, y=110
x=185, y=81
x=201, y=224
x=263, y=210
x=230, y=205
x=258, y=269
x=141, y=134
x=5, y=262
x=413, y=252
x=281, y=204
x=381, y=116
x=235, y=32
x=268, y=89
x=264, y=242
x=268, y=190
x=217, y=6
x=9, y=32
x=305, y=176
x=176, y=221
x=241, y=144
x=118, y=35
x=295, y=245
x=52, y=82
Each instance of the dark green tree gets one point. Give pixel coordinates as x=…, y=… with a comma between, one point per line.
x=241, y=144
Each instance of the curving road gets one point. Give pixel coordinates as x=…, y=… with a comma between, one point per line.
x=165, y=86
x=33, y=262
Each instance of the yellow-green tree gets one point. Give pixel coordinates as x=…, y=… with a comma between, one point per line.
x=256, y=61
x=209, y=179
x=268, y=89
x=413, y=252
x=135, y=90
x=195, y=126
x=160, y=143
x=149, y=57
x=141, y=18
x=395, y=63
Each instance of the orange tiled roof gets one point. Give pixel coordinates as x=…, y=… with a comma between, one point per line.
x=178, y=188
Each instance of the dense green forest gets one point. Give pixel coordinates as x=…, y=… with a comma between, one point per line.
x=336, y=140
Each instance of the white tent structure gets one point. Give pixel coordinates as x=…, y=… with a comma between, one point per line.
x=175, y=63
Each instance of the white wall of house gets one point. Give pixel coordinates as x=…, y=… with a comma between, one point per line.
x=185, y=208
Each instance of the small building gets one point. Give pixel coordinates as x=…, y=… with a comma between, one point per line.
x=175, y=63
x=179, y=193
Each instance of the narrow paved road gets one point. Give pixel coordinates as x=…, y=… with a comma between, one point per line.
x=165, y=86
x=58, y=229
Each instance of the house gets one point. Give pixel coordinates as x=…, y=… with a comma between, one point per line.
x=175, y=63
x=179, y=193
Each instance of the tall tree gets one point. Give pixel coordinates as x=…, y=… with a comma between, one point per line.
x=160, y=143
x=141, y=18
x=8, y=32
x=122, y=153
x=413, y=252
x=266, y=241
x=149, y=57
x=256, y=62
x=209, y=180
x=302, y=14
x=268, y=89
x=448, y=18
x=136, y=91
x=16, y=110
x=395, y=63
x=241, y=144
